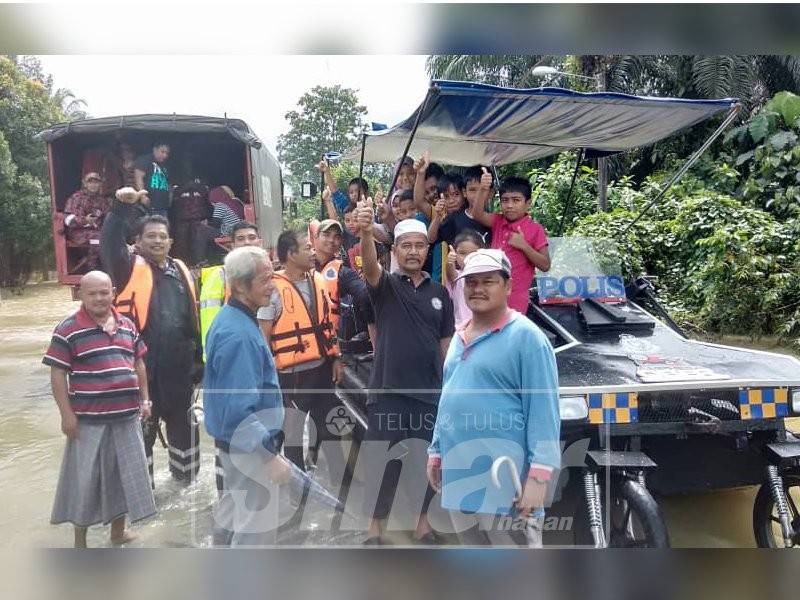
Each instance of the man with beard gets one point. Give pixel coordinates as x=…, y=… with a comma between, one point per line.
x=414, y=319
x=158, y=295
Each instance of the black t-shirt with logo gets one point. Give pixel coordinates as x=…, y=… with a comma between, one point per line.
x=411, y=323
x=155, y=181
x=458, y=222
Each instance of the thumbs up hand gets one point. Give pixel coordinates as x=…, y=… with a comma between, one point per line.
x=486, y=179
x=440, y=208
x=452, y=257
x=517, y=240
x=365, y=216
x=422, y=162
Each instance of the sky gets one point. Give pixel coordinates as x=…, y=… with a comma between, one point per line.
x=258, y=89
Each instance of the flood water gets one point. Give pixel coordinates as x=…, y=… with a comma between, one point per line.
x=31, y=444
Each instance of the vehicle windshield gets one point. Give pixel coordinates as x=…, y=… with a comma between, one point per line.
x=581, y=268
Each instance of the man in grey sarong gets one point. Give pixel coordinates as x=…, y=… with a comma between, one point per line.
x=100, y=386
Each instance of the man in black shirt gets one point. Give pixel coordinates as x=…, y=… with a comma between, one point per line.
x=414, y=319
x=157, y=292
x=150, y=174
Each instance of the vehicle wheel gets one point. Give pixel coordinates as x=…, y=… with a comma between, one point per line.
x=766, y=526
x=635, y=518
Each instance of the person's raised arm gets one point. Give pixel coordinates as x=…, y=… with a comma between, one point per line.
x=479, y=213
x=369, y=255
x=421, y=168
x=114, y=254
x=384, y=211
x=325, y=169
x=438, y=216
x=450, y=266
x=327, y=198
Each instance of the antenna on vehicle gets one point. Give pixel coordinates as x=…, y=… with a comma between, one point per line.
x=732, y=114
x=568, y=201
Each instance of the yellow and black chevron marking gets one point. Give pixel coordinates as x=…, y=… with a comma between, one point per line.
x=613, y=408
x=764, y=403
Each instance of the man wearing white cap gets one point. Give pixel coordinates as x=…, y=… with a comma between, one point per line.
x=414, y=319
x=509, y=359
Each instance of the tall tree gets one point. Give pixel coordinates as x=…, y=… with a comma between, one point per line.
x=26, y=107
x=327, y=118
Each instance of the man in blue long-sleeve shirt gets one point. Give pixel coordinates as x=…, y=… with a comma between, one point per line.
x=244, y=407
x=499, y=398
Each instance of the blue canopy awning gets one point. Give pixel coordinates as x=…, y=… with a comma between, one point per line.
x=471, y=123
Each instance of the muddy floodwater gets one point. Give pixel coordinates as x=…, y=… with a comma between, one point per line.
x=31, y=445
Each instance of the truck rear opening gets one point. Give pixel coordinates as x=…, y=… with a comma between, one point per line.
x=218, y=152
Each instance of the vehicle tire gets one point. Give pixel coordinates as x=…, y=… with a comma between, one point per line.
x=636, y=519
x=766, y=527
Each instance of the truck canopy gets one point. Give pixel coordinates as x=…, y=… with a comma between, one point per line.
x=154, y=124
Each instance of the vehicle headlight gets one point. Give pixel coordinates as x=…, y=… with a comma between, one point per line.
x=575, y=408
x=795, y=398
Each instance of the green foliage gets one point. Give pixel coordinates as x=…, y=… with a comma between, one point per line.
x=378, y=176
x=26, y=107
x=326, y=119
x=723, y=266
x=765, y=151
x=24, y=221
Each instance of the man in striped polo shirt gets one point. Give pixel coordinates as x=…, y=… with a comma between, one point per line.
x=100, y=386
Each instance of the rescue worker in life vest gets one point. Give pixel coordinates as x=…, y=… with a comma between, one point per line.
x=298, y=324
x=213, y=291
x=158, y=294
x=343, y=283
x=214, y=294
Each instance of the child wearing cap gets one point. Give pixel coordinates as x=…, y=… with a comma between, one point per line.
x=514, y=232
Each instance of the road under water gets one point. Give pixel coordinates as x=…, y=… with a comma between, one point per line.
x=31, y=444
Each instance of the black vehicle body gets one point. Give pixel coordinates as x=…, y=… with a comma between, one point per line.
x=687, y=421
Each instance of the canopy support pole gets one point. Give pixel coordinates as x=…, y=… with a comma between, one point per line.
x=569, y=194
x=417, y=120
x=732, y=114
x=361, y=163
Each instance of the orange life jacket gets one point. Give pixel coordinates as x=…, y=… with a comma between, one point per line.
x=301, y=335
x=134, y=300
x=330, y=275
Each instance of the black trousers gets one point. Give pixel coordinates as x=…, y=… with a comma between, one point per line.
x=402, y=424
x=311, y=392
x=182, y=438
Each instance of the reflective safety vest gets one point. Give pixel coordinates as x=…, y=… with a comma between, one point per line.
x=214, y=293
x=302, y=334
x=330, y=275
x=134, y=300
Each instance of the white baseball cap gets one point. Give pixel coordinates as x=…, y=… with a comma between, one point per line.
x=407, y=226
x=485, y=261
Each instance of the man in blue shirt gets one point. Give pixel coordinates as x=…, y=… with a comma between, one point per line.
x=499, y=398
x=244, y=407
